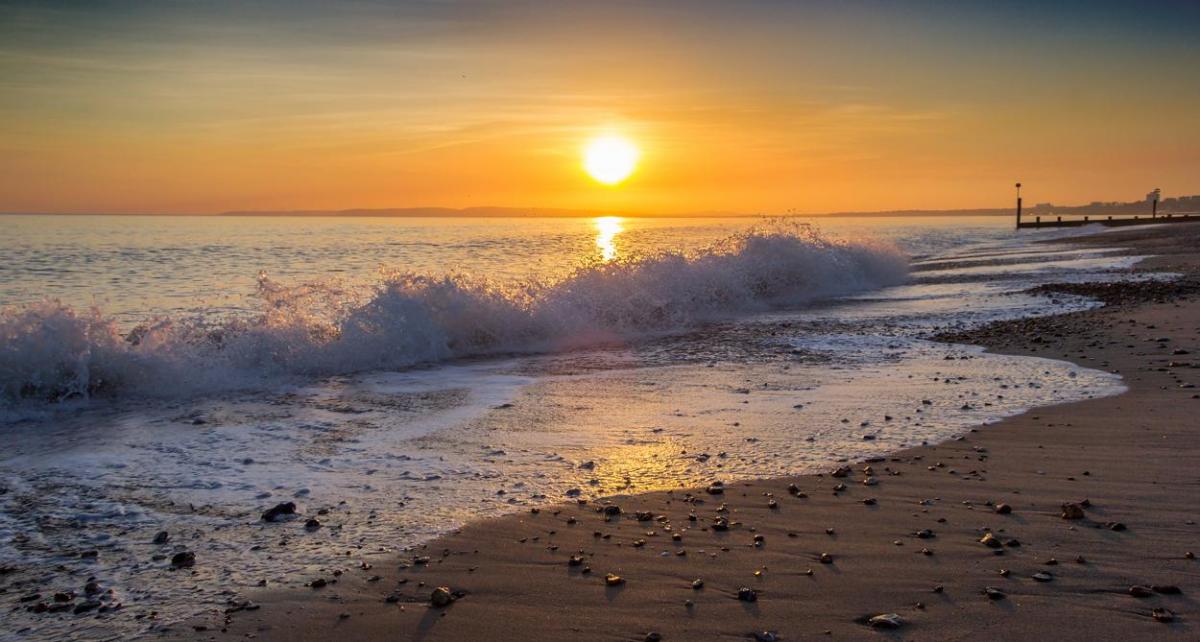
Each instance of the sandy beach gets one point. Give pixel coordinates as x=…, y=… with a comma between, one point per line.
x=1076, y=521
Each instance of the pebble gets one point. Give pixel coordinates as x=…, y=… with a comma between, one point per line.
x=441, y=597
x=279, y=511
x=886, y=621
x=1138, y=590
x=1162, y=615
x=183, y=559
x=1072, y=510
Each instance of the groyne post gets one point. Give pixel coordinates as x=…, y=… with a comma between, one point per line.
x=1018, y=206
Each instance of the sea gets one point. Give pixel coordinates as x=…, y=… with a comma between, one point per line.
x=396, y=378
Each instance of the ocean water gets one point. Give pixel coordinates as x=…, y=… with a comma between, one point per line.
x=399, y=377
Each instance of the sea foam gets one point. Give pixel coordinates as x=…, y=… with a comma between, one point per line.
x=53, y=352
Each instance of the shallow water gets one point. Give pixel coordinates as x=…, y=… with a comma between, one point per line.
x=387, y=457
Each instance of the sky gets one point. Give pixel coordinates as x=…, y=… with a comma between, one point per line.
x=747, y=106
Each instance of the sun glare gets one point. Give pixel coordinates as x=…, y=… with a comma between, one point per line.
x=610, y=159
x=607, y=229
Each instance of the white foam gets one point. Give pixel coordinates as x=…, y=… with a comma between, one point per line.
x=51, y=351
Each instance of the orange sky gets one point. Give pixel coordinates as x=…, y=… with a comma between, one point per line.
x=753, y=107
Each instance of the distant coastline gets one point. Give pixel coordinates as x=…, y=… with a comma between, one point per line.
x=1182, y=204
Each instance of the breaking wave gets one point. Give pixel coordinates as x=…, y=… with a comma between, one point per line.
x=53, y=352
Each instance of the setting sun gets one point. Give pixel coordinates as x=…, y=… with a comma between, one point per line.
x=610, y=159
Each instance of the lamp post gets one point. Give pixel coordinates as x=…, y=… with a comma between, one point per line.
x=1018, y=206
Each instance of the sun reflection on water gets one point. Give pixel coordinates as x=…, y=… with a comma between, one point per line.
x=607, y=229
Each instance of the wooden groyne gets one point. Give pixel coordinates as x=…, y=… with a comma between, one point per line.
x=1039, y=222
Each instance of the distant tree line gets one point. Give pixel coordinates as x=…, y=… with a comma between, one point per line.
x=1178, y=204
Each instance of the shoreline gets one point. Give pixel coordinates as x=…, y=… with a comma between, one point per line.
x=518, y=583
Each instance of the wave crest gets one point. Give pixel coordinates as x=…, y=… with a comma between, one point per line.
x=50, y=351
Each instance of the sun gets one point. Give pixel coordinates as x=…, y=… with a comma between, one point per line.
x=610, y=159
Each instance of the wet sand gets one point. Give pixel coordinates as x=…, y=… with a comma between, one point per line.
x=822, y=554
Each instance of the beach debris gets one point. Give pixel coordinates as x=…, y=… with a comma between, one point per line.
x=886, y=621
x=279, y=512
x=747, y=594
